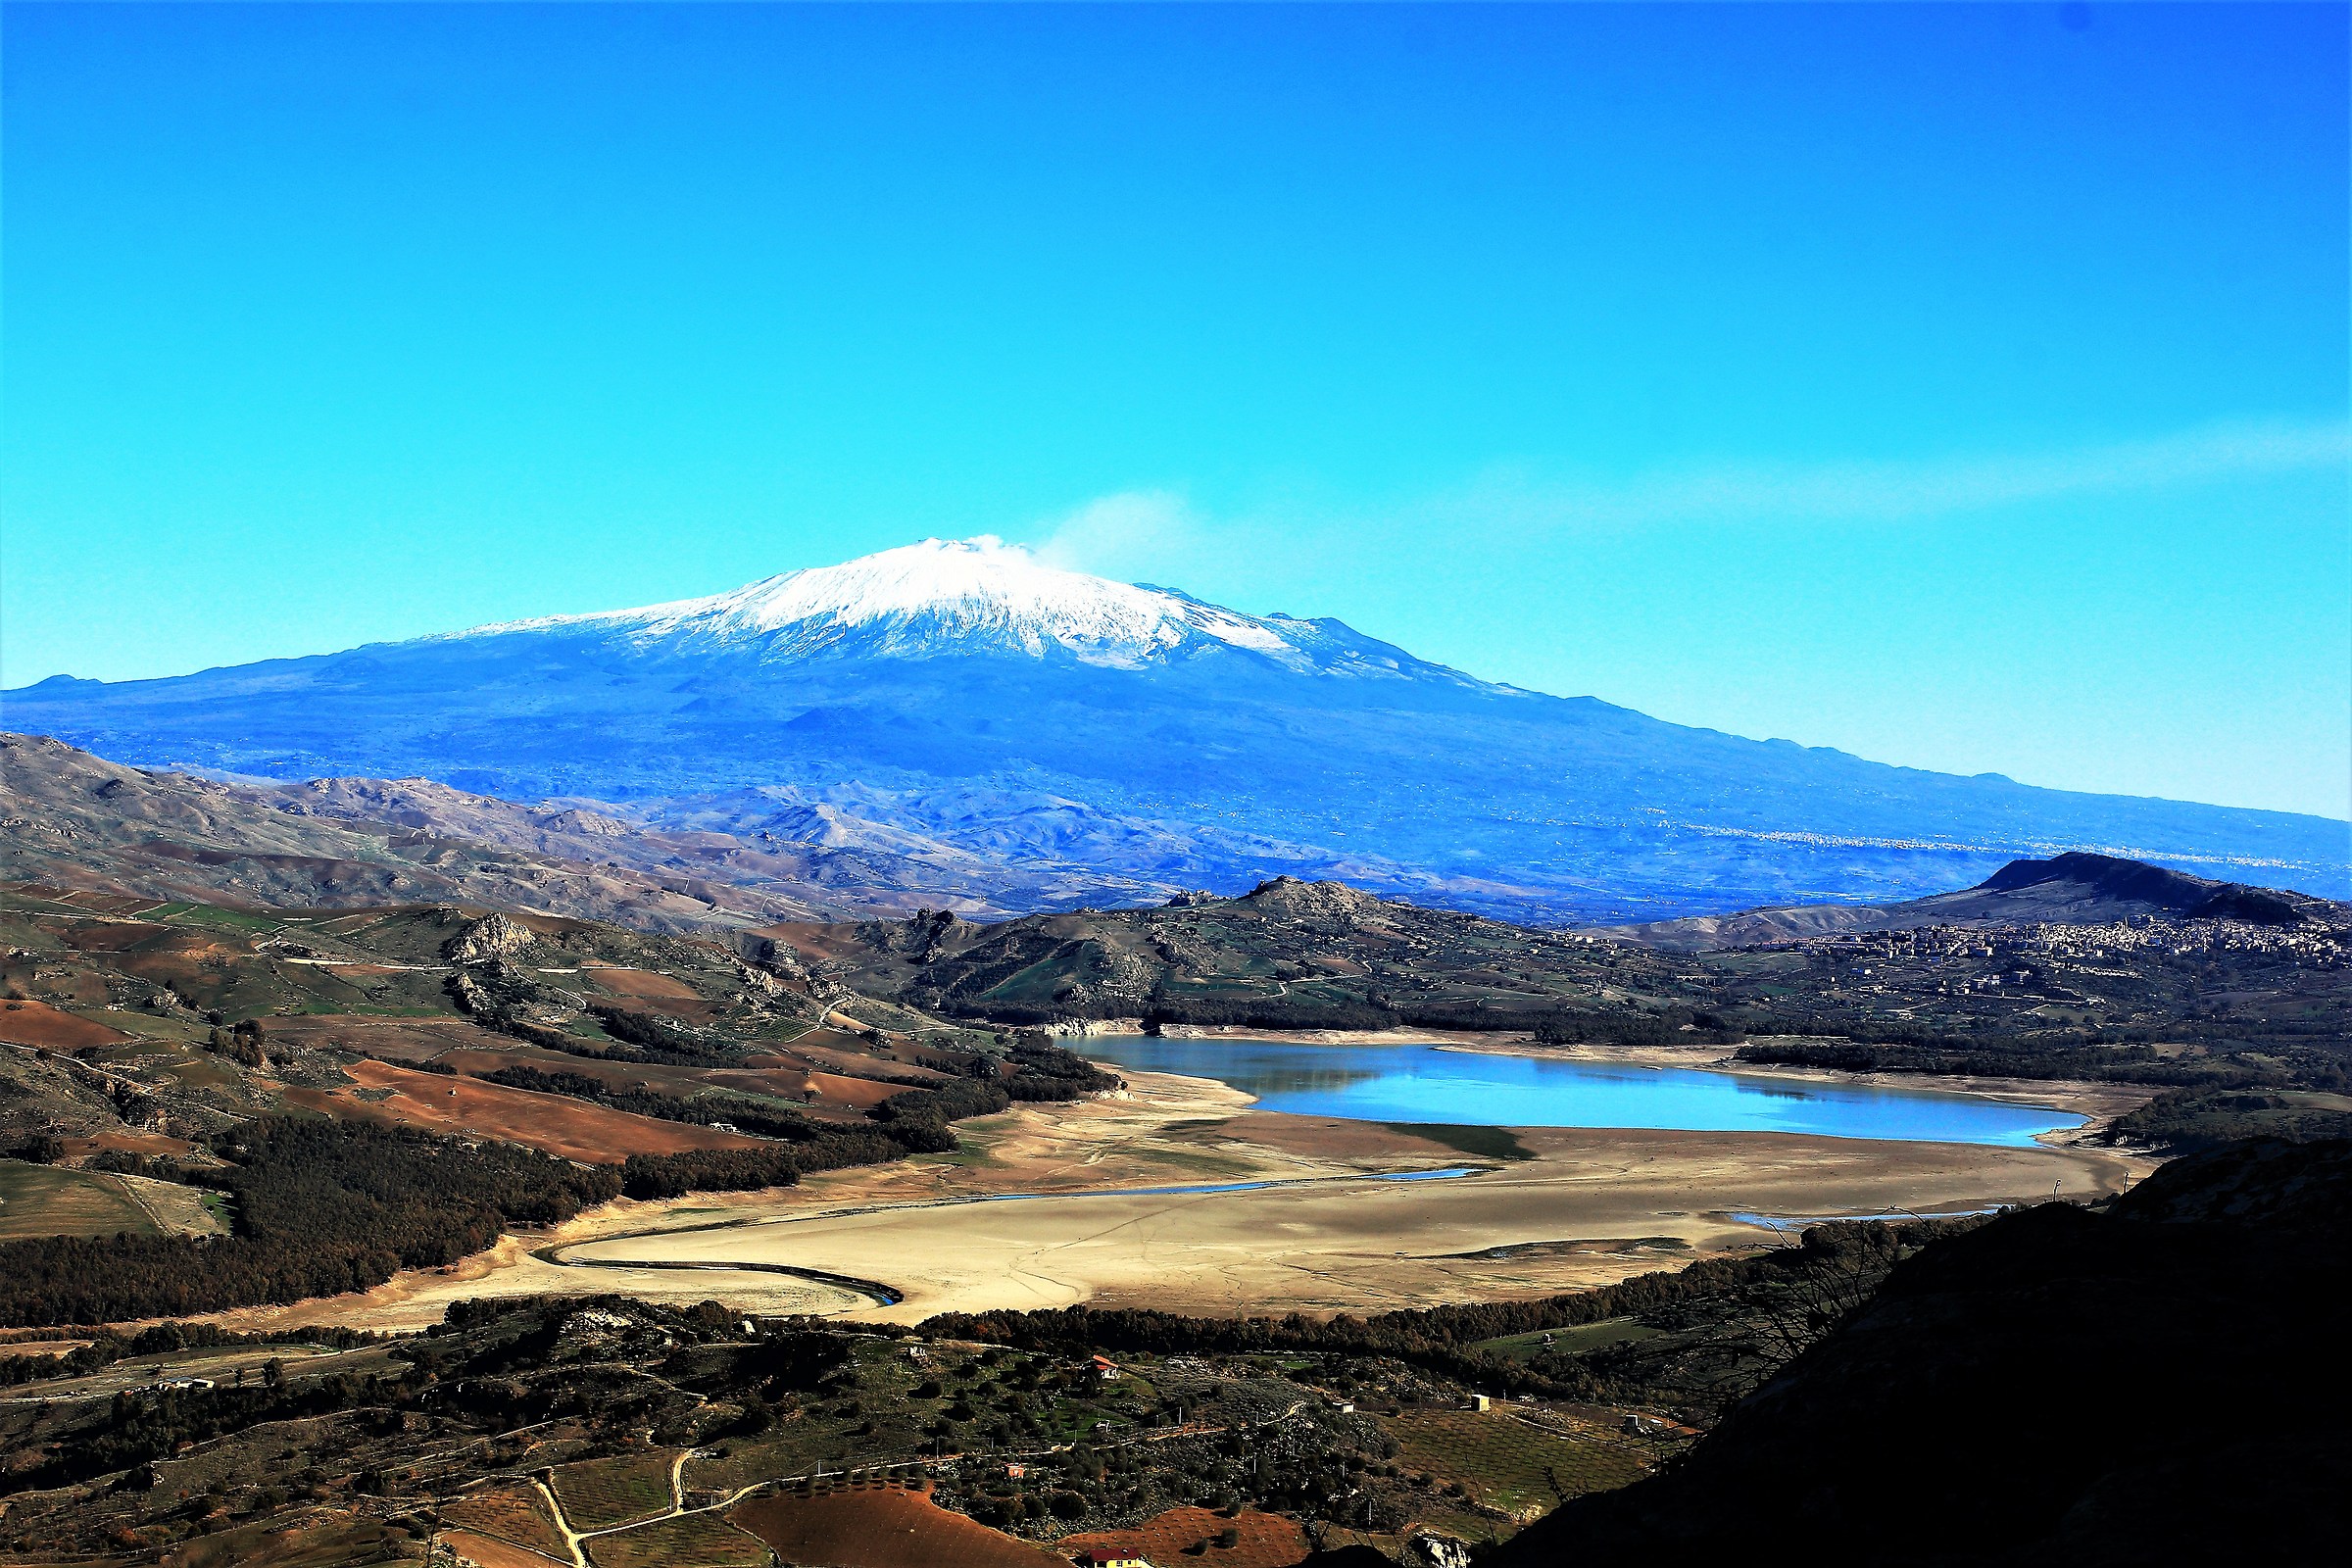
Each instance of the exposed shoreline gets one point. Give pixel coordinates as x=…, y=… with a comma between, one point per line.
x=1588, y=1207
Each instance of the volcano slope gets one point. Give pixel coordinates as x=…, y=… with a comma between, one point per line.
x=952, y=689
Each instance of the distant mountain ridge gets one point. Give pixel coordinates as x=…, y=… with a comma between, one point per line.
x=952, y=689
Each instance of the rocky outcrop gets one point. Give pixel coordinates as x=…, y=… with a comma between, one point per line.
x=493, y=936
x=1311, y=900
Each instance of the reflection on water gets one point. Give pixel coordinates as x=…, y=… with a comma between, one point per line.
x=1424, y=1084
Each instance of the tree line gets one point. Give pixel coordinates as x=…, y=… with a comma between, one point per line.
x=105, y=1346
x=320, y=1207
x=323, y=1208
x=2011, y=1058
x=2185, y=1120
x=746, y=1111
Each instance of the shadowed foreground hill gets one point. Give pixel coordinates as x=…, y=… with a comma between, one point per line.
x=2162, y=1382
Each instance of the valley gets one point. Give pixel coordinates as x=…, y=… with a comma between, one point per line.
x=1175, y=1194
x=801, y=785
x=615, y=1236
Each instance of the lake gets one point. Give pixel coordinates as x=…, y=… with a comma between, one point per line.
x=1426, y=1084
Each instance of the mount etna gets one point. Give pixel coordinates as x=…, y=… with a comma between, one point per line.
x=992, y=706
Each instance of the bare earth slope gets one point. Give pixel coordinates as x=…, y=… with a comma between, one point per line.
x=79, y=820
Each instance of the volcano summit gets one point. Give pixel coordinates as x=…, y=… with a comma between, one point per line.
x=969, y=692
x=977, y=597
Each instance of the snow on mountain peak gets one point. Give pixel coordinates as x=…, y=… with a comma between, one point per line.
x=944, y=595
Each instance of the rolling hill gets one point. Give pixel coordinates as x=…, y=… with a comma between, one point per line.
x=79, y=820
x=2073, y=889
x=2196, y=997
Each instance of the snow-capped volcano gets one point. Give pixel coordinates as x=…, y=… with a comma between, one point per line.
x=946, y=597
x=969, y=695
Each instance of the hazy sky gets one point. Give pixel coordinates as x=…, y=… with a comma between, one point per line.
x=1966, y=388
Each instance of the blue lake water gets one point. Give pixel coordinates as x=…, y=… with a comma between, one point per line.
x=1425, y=1084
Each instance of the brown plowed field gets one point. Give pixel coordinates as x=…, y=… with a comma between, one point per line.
x=883, y=1525
x=643, y=983
x=789, y=1083
x=154, y=952
x=130, y=1142
x=832, y=1050
x=857, y=1094
x=513, y=1514
x=85, y=898
x=36, y=1023
x=568, y=1129
x=1267, y=1541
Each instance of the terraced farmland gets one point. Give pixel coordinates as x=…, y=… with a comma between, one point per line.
x=513, y=1513
x=1509, y=1463
x=686, y=1540
x=600, y=1494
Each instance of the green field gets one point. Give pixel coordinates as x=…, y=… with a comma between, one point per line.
x=53, y=1200
x=1571, y=1342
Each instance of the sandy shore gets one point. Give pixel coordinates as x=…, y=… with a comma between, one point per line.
x=1593, y=1206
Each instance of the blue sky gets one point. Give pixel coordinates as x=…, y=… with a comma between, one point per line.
x=1963, y=387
